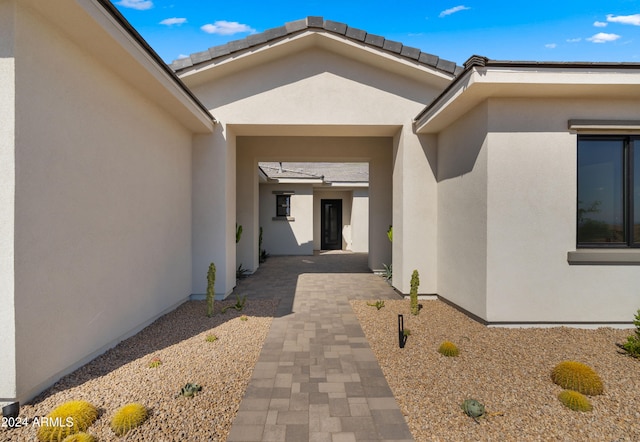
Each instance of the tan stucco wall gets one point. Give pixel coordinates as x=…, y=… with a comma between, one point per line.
x=102, y=207
x=360, y=221
x=282, y=237
x=532, y=194
x=462, y=212
x=7, y=202
x=319, y=93
x=507, y=216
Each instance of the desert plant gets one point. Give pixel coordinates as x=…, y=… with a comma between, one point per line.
x=127, y=417
x=189, y=390
x=573, y=375
x=211, y=281
x=69, y=418
x=632, y=346
x=211, y=338
x=155, y=363
x=238, y=232
x=388, y=272
x=241, y=273
x=575, y=400
x=239, y=305
x=406, y=332
x=448, y=348
x=415, y=282
x=378, y=304
x=79, y=437
x=390, y=233
x=244, y=318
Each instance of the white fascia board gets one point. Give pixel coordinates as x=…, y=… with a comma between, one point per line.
x=481, y=83
x=297, y=180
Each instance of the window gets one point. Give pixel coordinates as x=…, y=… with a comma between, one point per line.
x=608, y=212
x=283, y=205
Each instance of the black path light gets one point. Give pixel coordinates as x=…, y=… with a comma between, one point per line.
x=402, y=338
x=10, y=414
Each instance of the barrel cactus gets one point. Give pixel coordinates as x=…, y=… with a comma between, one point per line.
x=575, y=401
x=69, y=418
x=448, y=348
x=576, y=376
x=79, y=437
x=127, y=417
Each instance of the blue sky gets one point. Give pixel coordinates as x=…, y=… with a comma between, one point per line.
x=588, y=30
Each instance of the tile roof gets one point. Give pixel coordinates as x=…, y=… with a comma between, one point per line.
x=319, y=24
x=328, y=172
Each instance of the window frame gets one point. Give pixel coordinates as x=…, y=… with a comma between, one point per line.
x=630, y=142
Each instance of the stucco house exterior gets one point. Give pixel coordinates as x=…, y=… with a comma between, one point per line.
x=313, y=206
x=510, y=185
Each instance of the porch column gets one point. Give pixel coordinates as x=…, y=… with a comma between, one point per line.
x=214, y=210
x=247, y=210
x=415, y=203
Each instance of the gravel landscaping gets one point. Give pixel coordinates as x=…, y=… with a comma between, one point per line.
x=179, y=339
x=508, y=370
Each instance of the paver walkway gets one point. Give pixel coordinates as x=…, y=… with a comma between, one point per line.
x=316, y=378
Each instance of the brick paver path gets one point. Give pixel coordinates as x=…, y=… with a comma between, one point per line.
x=317, y=378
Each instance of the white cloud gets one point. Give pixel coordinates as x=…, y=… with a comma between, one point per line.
x=550, y=45
x=600, y=24
x=223, y=27
x=173, y=21
x=574, y=40
x=140, y=5
x=182, y=56
x=453, y=10
x=625, y=19
x=603, y=37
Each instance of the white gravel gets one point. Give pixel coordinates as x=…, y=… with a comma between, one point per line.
x=508, y=370
x=122, y=375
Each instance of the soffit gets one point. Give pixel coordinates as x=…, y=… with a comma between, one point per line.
x=528, y=80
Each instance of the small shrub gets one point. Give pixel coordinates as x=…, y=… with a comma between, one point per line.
x=211, y=338
x=575, y=401
x=415, y=282
x=378, y=304
x=448, y=349
x=69, y=418
x=576, y=376
x=127, y=417
x=79, y=437
x=244, y=318
x=632, y=346
x=155, y=363
x=406, y=332
x=239, y=305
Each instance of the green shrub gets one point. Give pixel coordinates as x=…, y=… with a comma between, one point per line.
x=632, y=346
x=576, y=376
x=575, y=401
x=211, y=338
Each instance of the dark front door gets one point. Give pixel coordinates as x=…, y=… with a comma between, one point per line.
x=331, y=224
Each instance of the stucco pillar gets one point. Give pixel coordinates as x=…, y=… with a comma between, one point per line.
x=380, y=203
x=414, y=211
x=247, y=211
x=7, y=204
x=214, y=209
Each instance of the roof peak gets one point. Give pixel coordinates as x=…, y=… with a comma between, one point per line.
x=318, y=24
